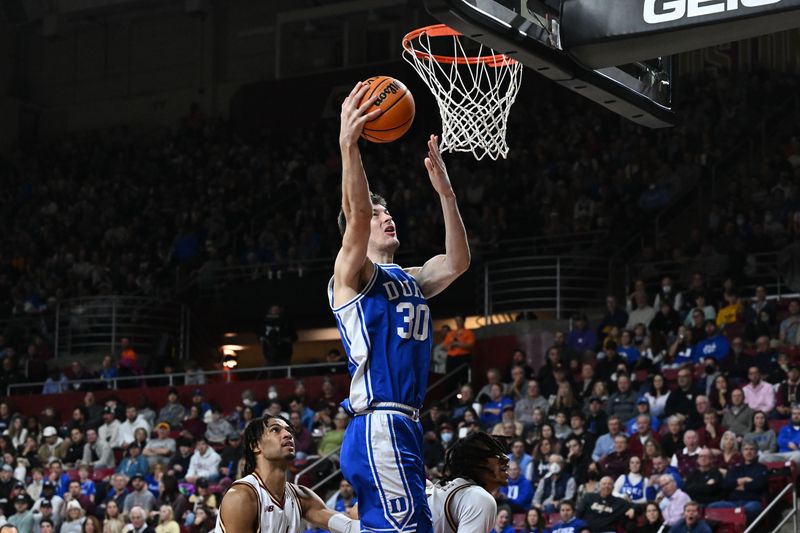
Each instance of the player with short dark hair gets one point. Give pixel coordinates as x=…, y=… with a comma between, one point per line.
x=383, y=317
x=263, y=500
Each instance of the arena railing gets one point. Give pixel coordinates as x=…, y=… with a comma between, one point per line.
x=559, y=284
x=447, y=378
x=793, y=512
x=179, y=378
x=96, y=325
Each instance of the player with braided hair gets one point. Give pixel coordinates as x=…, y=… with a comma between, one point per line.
x=474, y=467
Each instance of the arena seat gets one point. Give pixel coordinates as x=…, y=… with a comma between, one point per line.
x=101, y=474
x=776, y=425
x=728, y=520
x=781, y=473
x=551, y=518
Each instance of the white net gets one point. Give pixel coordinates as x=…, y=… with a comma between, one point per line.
x=474, y=91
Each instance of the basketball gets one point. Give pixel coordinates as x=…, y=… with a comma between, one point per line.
x=397, y=104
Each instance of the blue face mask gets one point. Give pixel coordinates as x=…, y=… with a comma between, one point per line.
x=447, y=437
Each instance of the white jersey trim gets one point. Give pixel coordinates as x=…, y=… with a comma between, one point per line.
x=355, y=298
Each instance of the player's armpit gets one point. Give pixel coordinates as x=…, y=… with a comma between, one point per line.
x=239, y=510
x=435, y=275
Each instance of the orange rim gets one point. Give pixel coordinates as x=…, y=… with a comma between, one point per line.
x=442, y=30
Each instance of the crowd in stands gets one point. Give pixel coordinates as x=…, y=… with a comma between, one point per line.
x=117, y=468
x=649, y=416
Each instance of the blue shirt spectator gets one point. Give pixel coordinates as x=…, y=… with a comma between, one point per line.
x=493, y=409
x=714, y=345
x=519, y=491
x=790, y=434
x=134, y=463
x=582, y=337
x=572, y=526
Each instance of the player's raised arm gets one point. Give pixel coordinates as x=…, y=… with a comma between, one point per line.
x=440, y=271
x=356, y=203
x=239, y=509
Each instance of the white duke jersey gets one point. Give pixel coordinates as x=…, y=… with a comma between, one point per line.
x=461, y=506
x=386, y=332
x=272, y=516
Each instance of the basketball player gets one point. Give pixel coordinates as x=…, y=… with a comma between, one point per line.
x=384, y=321
x=474, y=467
x=263, y=501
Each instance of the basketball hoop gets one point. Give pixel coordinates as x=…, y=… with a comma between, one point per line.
x=474, y=91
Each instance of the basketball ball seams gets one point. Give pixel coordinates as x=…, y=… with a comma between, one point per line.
x=374, y=139
x=386, y=110
x=376, y=86
x=392, y=128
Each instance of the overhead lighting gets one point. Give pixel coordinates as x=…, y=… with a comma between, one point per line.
x=232, y=347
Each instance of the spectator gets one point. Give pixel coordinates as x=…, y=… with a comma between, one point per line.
x=586, y=382
x=761, y=434
x=704, y=484
x=517, y=387
x=161, y=449
x=685, y=460
x=657, y=395
x=671, y=500
x=22, y=518
x=108, y=432
x=138, y=496
x=682, y=399
x=465, y=399
x=715, y=344
x=179, y=464
x=653, y=521
x=788, y=440
x=138, y=517
x=502, y=523
x=643, y=314
x=58, y=477
x=567, y=522
x=56, y=383
x=711, y=431
x=758, y=394
x=173, y=412
x=518, y=493
x=520, y=358
x=614, y=317
x=46, y=525
x=198, y=400
x=75, y=494
x=596, y=418
x=166, y=521
x=134, y=464
x=193, y=426
x=729, y=456
x=632, y=486
x=555, y=487
x=518, y=454
x=112, y=520
x=73, y=519
x=172, y=496
x=616, y=463
x=603, y=511
x=622, y=404
x=51, y=500
x=745, y=484
x=344, y=499
x=790, y=326
x=218, y=428
x=204, y=462
x=605, y=444
x=127, y=430
x=738, y=416
x=691, y=521
x=115, y=496
x=644, y=432
x=459, y=343
x=51, y=442
x=278, y=337
x=787, y=394
x=666, y=321
x=661, y=467
x=108, y=372
x=582, y=337
x=332, y=440
x=493, y=407
x=578, y=460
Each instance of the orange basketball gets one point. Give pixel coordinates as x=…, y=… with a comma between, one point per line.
x=397, y=105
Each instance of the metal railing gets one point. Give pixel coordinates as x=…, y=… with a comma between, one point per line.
x=559, y=284
x=85, y=326
x=447, y=378
x=176, y=377
x=791, y=514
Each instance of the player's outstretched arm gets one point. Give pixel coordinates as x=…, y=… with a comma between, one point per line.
x=239, y=509
x=316, y=513
x=440, y=271
x=356, y=203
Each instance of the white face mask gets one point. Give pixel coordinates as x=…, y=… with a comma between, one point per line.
x=272, y=395
x=447, y=437
x=666, y=289
x=555, y=468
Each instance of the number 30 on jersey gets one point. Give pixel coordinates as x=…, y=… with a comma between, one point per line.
x=416, y=319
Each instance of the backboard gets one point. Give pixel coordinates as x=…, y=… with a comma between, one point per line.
x=614, y=52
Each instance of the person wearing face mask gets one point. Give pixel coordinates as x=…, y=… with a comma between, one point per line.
x=710, y=373
x=669, y=295
x=555, y=487
x=519, y=491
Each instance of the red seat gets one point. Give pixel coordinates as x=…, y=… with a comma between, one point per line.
x=776, y=425
x=101, y=474
x=730, y=520
x=670, y=374
x=551, y=518
x=73, y=474
x=641, y=376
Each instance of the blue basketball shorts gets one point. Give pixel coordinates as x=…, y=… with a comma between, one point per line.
x=381, y=458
